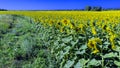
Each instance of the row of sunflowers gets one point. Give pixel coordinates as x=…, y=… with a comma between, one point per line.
x=91, y=37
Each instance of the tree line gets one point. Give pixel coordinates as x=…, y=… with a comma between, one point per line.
x=87, y=8
x=3, y=9
x=95, y=8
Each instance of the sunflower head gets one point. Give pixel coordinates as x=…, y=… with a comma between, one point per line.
x=92, y=43
x=51, y=22
x=65, y=22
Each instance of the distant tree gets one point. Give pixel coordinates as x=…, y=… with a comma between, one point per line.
x=96, y=8
x=88, y=8
x=3, y=9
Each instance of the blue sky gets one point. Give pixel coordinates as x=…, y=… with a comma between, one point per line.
x=56, y=4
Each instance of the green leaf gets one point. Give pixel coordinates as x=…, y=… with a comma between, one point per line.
x=117, y=63
x=67, y=49
x=77, y=65
x=80, y=52
x=83, y=47
x=117, y=48
x=94, y=62
x=61, y=54
x=110, y=55
x=67, y=39
x=69, y=64
x=106, y=43
x=81, y=63
x=74, y=42
x=118, y=42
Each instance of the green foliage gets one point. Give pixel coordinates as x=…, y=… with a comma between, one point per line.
x=3, y=27
x=94, y=8
x=71, y=51
x=88, y=8
x=25, y=44
x=3, y=9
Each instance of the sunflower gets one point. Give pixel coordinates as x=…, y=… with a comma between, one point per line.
x=98, y=40
x=51, y=22
x=92, y=43
x=112, y=37
x=94, y=31
x=95, y=51
x=108, y=29
x=65, y=22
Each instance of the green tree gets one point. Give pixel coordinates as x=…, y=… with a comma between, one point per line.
x=88, y=8
x=97, y=8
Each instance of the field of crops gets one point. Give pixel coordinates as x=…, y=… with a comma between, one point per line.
x=73, y=39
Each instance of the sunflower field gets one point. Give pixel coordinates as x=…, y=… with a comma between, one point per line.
x=64, y=39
